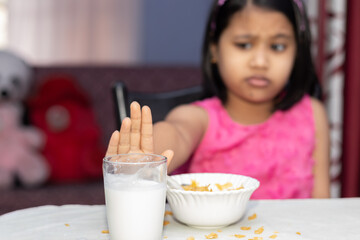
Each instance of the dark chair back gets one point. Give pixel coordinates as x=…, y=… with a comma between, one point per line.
x=160, y=103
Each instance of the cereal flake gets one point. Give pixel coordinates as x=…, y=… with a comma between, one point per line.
x=245, y=228
x=211, y=236
x=239, y=236
x=259, y=230
x=168, y=213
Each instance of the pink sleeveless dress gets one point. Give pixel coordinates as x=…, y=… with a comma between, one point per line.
x=277, y=152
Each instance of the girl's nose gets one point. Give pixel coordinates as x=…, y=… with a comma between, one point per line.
x=259, y=58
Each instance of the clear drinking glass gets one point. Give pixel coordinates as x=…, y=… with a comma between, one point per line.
x=135, y=194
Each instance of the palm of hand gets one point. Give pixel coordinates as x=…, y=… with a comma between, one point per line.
x=136, y=134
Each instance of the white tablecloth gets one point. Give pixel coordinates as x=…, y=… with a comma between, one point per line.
x=287, y=219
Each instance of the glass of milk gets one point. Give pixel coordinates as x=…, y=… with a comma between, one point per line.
x=135, y=193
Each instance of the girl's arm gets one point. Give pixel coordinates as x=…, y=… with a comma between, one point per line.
x=321, y=152
x=179, y=134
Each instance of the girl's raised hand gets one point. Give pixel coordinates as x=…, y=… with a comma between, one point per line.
x=136, y=134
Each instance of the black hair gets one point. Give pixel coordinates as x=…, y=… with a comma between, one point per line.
x=303, y=78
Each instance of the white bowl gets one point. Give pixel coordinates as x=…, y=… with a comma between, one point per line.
x=214, y=209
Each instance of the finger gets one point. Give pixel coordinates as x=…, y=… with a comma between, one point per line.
x=169, y=154
x=135, y=115
x=146, y=141
x=113, y=144
x=124, y=139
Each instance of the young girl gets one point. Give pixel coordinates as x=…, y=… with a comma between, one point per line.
x=260, y=118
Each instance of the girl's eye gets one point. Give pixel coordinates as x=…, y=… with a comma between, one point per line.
x=244, y=45
x=278, y=47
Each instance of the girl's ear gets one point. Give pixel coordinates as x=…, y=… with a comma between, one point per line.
x=213, y=51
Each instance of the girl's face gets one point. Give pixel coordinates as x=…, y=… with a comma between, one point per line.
x=255, y=54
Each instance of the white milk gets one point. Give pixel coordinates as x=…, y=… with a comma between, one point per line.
x=135, y=212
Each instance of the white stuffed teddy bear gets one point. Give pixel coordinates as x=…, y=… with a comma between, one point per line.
x=20, y=145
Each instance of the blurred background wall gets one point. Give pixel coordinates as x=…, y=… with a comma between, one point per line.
x=173, y=31
x=49, y=32
x=124, y=32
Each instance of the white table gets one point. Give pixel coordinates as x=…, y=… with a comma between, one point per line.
x=313, y=219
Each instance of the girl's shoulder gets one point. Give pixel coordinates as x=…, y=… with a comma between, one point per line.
x=314, y=108
x=198, y=109
x=320, y=115
x=188, y=113
x=190, y=120
x=316, y=104
x=212, y=102
x=195, y=117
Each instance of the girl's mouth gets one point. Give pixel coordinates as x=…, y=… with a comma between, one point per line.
x=258, y=81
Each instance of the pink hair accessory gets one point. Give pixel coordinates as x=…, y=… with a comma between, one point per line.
x=300, y=6
x=221, y=2
x=213, y=24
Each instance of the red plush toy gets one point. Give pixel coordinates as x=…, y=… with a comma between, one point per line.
x=62, y=110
